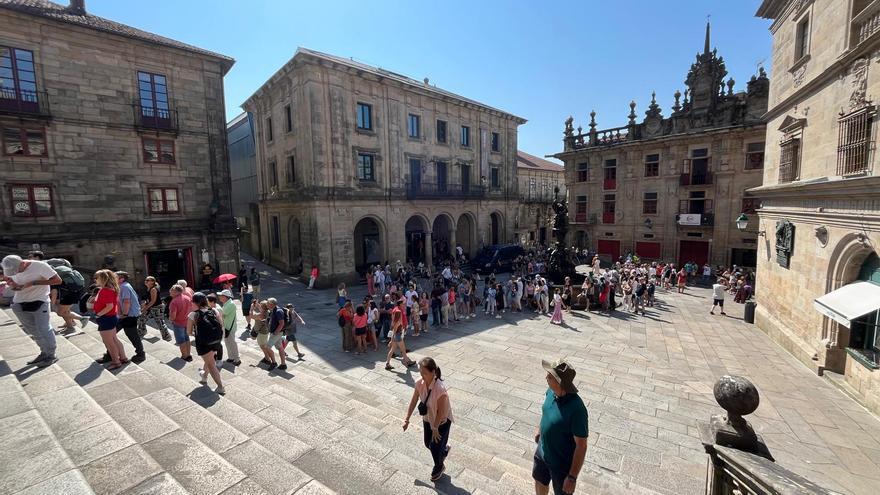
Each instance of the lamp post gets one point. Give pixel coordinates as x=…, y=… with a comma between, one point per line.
x=742, y=222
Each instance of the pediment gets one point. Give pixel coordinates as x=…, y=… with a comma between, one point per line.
x=790, y=123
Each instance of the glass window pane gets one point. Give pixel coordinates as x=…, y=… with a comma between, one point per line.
x=156, y=194
x=24, y=65
x=159, y=79
x=36, y=142
x=21, y=208
x=42, y=193
x=19, y=193
x=43, y=207
x=167, y=155
x=143, y=76
x=171, y=194
x=12, y=144
x=172, y=206
x=23, y=55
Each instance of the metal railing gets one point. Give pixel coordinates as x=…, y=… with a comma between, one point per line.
x=159, y=119
x=20, y=102
x=422, y=190
x=705, y=178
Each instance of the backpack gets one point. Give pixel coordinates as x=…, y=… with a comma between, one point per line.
x=208, y=328
x=71, y=279
x=286, y=317
x=341, y=320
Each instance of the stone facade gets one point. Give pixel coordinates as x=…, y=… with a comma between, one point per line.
x=353, y=170
x=79, y=187
x=821, y=177
x=537, y=180
x=671, y=188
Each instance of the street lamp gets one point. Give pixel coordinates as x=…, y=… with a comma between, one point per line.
x=743, y=221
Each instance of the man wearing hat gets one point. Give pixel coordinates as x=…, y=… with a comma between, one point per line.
x=229, y=315
x=31, y=281
x=562, y=434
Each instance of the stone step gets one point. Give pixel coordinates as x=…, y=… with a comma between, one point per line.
x=154, y=448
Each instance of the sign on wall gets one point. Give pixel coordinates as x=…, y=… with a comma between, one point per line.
x=689, y=219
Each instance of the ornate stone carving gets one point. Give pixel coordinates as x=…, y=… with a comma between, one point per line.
x=859, y=74
x=569, y=127
x=822, y=235
x=784, y=242
x=798, y=75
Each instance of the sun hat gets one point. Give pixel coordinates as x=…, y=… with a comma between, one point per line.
x=225, y=292
x=562, y=372
x=11, y=264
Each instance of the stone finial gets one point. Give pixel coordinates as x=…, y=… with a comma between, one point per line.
x=736, y=395
x=593, y=120
x=580, y=130
x=569, y=128
x=687, y=92
x=730, y=83
x=762, y=73
x=677, y=106
x=632, y=112
x=653, y=108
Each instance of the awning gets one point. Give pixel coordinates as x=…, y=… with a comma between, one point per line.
x=849, y=302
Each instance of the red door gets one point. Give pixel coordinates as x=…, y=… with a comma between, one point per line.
x=609, y=248
x=648, y=250
x=696, y=251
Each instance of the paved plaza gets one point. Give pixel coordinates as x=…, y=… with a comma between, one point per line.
x=333, y=420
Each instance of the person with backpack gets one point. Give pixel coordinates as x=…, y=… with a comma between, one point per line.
x=67, y=293
x=129, y=313
x=204, y=324
x=277, y=323
x=290, y=327
x=345, y=315
x=230, y=312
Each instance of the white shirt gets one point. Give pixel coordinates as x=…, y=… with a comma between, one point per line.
x=718, y=291
x=36, y=270
x=707, y=270
x=409, y=295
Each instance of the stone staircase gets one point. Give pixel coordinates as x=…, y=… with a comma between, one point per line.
x=75, y=427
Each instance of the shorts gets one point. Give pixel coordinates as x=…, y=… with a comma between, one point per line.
x=263, y=339
x=274, y=339
x=718, y=302
x=542, y=473
x=360, y=332
x=180, y=336
x=398, y=337
x=202, y=349
x=106, y=323
x=127, y=322
x=68, y=298
x=423, y=317
x=291, y=337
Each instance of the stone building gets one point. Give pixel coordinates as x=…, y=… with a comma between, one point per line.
x=537, y=179
x=113, y=144
x=359, y=165
x=671, y=187
x=243, y=177
x=820, y=212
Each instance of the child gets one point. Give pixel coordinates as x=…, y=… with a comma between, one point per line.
x=557, y=308
x=360, y=329
x=490, y=293
x=499, y=300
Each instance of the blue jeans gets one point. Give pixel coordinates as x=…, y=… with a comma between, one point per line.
x=438, y=449
x=435, y=313
x=37, y=325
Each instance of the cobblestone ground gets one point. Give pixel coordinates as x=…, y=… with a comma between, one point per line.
x=647, y=382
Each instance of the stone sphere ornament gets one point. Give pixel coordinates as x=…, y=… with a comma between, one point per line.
x=736, y=395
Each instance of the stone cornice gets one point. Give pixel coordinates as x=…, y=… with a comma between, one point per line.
x=840, y=188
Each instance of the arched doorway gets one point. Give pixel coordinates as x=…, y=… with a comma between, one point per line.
x=441, y=237
x=465, y=233
x=416, y=236
x=368, y=246
x=294, y=247
x=496, y=232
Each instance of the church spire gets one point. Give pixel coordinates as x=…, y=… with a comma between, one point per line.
x=706, y=47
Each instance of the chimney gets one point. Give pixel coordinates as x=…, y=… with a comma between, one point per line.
x=77, y=7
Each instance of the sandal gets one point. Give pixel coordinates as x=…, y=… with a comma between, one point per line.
x=114, y=366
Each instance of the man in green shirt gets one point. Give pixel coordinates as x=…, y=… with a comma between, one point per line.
x=562, y=434
x=230, y=312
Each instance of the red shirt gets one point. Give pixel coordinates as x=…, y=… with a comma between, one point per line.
x=360, y=321
x=107, y=296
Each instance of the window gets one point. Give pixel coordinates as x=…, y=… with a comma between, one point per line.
x=442, y=176
x=802, y=39
x=413, y=126
x=164, y=200
x=269, y=134
x=608, y=208
x=755, y=156
x=465, y=136
x=854, y=142
x=649, y=203
x=153, y=94
x=441, y=131
x=580, y=211
x=496, y=178
x=496, y=142
x=864, y=336
x=750, y=205
x=273, y=174
x=697, y=169
x=789, y=160
x=158, y=151
x=276, y=233
x=291, y=169
x=18, y=81
x=22, y=141
x=610, y=170
x=583, y=172
x=365, y=167
x=364, y=116
x=288, y=119
x=652, y=165
x=31, y=200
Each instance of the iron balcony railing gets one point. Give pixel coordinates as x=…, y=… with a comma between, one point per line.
x=157, y=119
x=423, y=190
x=24, y=103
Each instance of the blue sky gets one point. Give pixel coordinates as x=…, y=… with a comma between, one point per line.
x=540, y=60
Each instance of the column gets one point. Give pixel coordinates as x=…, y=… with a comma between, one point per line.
x=429, y=251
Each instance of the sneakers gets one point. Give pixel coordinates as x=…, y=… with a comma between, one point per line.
x=272, y=367
x=300, y=355
x=142, y=331
x=83, y=321
x=138, y=358
x=237, y=362
x=166, y=336
x=220, y=390
x=436, y=476
x=46, y=361
x=203, y=377
x=282, y=367
x=188, y=359
x=265, y=361
x=389, y=367
x=37, y=359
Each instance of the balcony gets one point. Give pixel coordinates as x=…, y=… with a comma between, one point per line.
x=695, y=219
x=865, y=24
x=426, y=190
x=155, y=119
x=609, y=184
x=24, y=103
x=703, y=179
x=608, y=217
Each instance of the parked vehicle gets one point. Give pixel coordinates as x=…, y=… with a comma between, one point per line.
x=498, y=258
